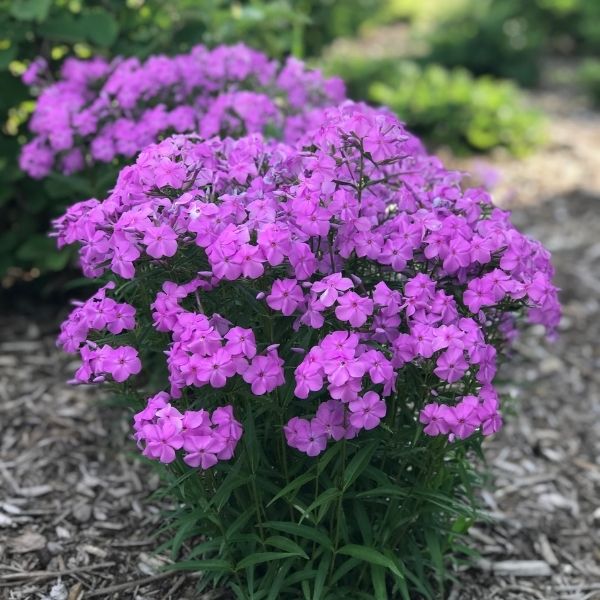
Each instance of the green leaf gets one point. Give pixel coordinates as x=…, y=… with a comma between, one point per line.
x=303, y=531
x=279, y=581
x=378, y=579
x=185, y=529
x=321, y=577
x=232, y=482
x=345, y=568
x=383, y=492
x=240, y=521
x=370, y=555
x=293, y=486
x=62, y=28
x=214, y=564
x=30, y=10
x=283, y=543
x=99, y=27
x=262, y=557
x=326, y=458
x=208, y=546
x=323, y=501
x=360, y=461
x=298, y=576
x=364, y=523
x=433, y=545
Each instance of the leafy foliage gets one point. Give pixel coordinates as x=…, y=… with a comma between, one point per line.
x=506, y=38
x=380, y=514
x=589, y=76
x=446, y=107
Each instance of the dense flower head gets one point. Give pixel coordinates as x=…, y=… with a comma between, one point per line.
x=99, y=110
x=351, y=258
x=203, y=437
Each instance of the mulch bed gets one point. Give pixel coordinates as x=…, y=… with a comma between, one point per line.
x=76, y=518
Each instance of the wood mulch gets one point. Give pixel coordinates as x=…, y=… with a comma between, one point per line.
x=75, y=516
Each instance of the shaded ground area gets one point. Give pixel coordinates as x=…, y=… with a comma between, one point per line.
x=74, y=510
x=75, y=519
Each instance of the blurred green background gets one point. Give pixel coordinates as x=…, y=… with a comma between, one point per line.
x=453, y=70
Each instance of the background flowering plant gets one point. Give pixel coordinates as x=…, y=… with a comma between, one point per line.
x=95, y=115
x=309, y=333
x=100, y=110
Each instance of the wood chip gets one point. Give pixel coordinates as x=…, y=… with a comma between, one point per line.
x=522, y=568
x=29, y=541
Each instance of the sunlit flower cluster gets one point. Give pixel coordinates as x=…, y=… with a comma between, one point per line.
x=311, y=275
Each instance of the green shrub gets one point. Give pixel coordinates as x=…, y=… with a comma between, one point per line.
x=589, y=76
x=446, y=107
x=507, y=38
x=493, y=38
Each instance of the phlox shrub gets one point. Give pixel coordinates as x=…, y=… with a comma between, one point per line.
x=101, y=110
x=308, y=335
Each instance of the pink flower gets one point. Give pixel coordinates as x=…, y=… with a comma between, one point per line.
x=169, y=173
x=479, y=293
x=216, y=368
x=329, y=420
x=161, y=441
x=286, y=295
x=462, y=419
x=122, y=319
x=251, y=260
x=309, y=378
x=434, y=417
x=308, y=439
x=354, y=309
x=124, y=253
x=451, y=365
x=264, y=374
x=160, y=241
x=121, y=363
x=202, y=450
x=457, y=255
x=329, y=287
x=274, y=241
x=241, y=341
x=367, y=411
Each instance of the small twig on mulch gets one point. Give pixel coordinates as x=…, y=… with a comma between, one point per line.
x=39, y=575
x=111, y=589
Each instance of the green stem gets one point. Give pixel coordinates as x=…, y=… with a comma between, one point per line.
x=338, y=511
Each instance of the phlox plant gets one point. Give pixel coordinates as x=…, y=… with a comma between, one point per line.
x=308, y=335
x=101, y=111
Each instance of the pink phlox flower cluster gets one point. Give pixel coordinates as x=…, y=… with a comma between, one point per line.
x=99, y=111
x=209, y=351
x=460, y=421
x=355, y=236
x=204, y=438
x=99, y=361
x=98, y=313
